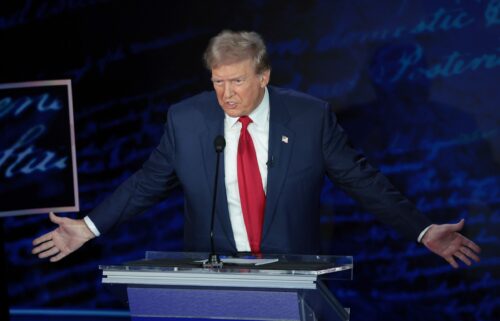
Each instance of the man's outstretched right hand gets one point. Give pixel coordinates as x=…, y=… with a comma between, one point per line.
x=69, y=236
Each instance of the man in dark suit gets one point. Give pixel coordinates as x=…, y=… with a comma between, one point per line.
x=280, y=145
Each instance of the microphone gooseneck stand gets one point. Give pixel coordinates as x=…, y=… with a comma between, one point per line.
x=214, y=261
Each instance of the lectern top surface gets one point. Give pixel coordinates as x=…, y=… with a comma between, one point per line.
x=264, y=264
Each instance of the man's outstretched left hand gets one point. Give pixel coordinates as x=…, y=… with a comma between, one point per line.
x=446, y=241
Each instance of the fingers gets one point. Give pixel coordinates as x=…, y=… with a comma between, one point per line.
x=43, y=247
x=452, y=261
x=58, y=257
x=46, y=247
x=466, y=251
x=50, y=252
x=42, y=239
x=471, y=245
x=49, y=249
x=463, y=258
x=465, y=254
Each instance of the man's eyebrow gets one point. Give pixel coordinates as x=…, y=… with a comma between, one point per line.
x=232, y=78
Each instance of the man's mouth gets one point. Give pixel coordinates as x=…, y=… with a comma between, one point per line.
x=231, y=104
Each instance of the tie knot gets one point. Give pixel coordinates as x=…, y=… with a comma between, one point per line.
x=245, y=120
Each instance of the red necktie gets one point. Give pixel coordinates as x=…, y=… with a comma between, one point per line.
x=253, y=199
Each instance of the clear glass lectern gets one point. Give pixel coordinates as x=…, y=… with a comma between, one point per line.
x=176, y=286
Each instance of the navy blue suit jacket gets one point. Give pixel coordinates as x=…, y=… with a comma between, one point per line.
x=316, y=147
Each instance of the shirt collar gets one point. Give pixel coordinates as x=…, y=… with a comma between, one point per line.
x=259, y=115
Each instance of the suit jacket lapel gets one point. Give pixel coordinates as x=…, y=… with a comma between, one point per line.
x=281, y=140
x=214, y=119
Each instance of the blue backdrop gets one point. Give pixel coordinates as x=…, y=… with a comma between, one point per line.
x=414, y=83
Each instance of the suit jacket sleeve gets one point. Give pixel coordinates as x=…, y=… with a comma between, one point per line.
x=144, y=188
x=350, y=171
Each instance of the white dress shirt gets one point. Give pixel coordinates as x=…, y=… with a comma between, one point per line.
x=259, y=130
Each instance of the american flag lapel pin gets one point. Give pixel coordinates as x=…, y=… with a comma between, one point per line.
x=284, y=139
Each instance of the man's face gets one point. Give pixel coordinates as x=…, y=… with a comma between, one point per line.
x=239, y=89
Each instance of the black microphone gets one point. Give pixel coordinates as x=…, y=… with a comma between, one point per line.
x=213, y=258
x=219, y=144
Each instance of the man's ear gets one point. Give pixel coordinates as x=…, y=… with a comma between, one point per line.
x=264, y=78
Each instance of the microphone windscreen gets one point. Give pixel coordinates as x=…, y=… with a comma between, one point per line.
x=219, y=143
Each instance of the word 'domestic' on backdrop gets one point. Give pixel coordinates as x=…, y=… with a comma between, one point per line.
x=37, y=149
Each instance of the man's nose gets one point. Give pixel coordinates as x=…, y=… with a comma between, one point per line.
x=228, y=90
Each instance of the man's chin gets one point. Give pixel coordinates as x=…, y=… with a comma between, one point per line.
x=232, y=112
